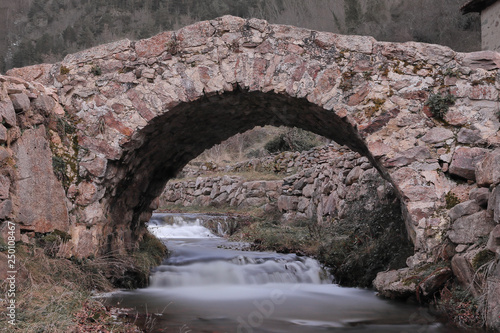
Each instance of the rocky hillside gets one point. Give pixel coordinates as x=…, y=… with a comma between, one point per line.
x=35, y=31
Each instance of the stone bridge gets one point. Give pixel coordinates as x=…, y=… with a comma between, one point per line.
x=90, y=142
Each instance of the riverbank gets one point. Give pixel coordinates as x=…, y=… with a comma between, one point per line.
x=63, y=301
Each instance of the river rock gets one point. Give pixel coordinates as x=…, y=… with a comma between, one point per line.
x=463, y=271
x=4, y=187
x=21, y=102
x=494, y=240
x=8, y=113
x=468, y=136
x=5, y=209
x=437, y=135
x=353, y=175
x=435, y=281
x=481, y=196
x=494, y=204
x=493, y=298
x=286, y=203
x=392, y=285
x=482, y=59
x=5, y=231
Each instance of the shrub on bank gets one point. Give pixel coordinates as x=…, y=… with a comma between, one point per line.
x=293, y=139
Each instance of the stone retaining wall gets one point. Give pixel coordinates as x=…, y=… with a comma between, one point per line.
x=218, y=191
x=327, y=180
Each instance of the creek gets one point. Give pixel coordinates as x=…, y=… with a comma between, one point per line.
x=209, y=284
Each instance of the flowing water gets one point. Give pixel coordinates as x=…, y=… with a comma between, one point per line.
x=207, y=284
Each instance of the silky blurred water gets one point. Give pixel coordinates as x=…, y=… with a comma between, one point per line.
x=206, y=287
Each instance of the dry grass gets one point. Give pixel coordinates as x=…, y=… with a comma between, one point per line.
x=238, y=147
x=257, y=142
x=460, y=307
x=254, y=212
x=55, y=294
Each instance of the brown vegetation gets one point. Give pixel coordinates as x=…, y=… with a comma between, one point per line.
x=56, y=294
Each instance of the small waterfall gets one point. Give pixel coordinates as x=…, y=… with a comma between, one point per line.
x=176, y=226
x=227, y=226
x=240, y=271
x=220, y=229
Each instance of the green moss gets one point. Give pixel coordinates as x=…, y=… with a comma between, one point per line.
x=414, y=279
x=422, y=272
x=439, y=104
x=451, y=200
x=64, y=236
x=135, y=274
x=64, y=70
x=483, y=257
x=65, y=162
x=59, y=166
x=378, y=102
x=450, y=72
x=172, y=47
x=487, y=80
x=96, y=70
x=417, y=67
x=346, y=82
x=399, y=71
x=64, y=127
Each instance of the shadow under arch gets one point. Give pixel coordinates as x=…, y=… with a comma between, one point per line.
x=161, y=149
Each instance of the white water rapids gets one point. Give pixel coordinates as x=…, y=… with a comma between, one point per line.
x=205, y=287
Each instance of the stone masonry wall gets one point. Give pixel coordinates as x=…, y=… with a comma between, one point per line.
x=326, y=181
x=220, y=191
x=31, y=196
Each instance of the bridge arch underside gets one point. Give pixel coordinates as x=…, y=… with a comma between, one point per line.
x=161, y=149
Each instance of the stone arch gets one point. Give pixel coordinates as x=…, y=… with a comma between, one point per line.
x=173, y=139
x=128, y=99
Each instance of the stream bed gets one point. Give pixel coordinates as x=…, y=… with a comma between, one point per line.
x=208, y=284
